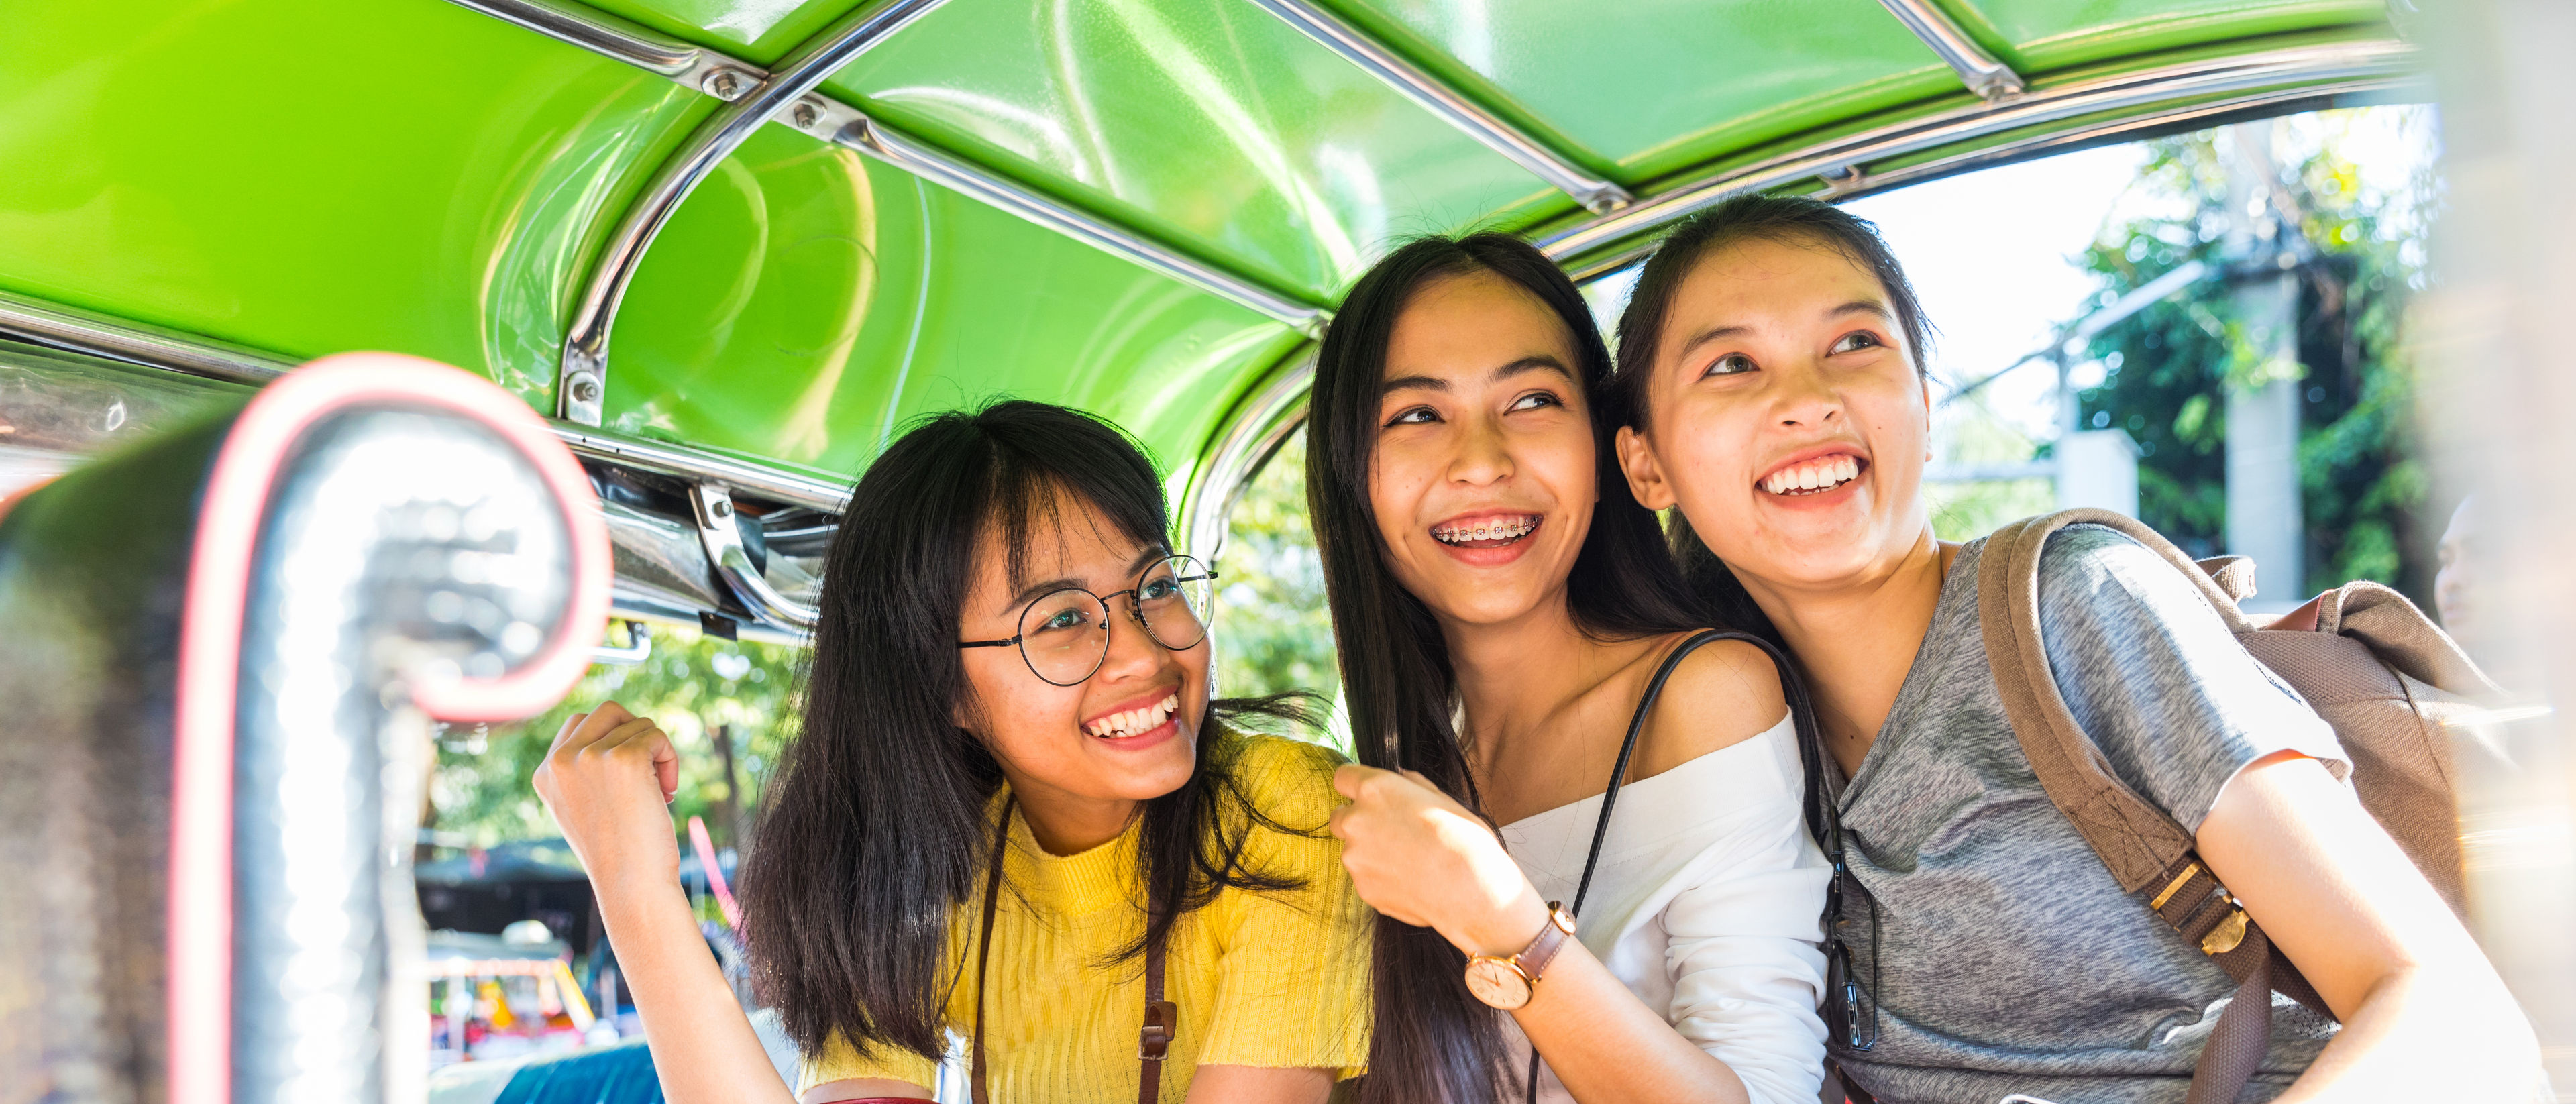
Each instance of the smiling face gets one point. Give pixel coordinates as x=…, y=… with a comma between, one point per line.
x=1128, y=733
x=1785, y=417
x=1482, y=478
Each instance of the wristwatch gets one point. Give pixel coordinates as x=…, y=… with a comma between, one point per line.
x=1505, y=983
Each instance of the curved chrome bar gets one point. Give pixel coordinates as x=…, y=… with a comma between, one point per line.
x=830, y=120
x=2206, y=113
x=1988, y=78
x=1841, y=162
x=1434, y=95
x=1252, y=432
x=581, y=384
x=639, y=647
x=713, y=506
x=786, y=484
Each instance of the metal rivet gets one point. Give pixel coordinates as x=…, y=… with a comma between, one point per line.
x=723, y=84
x=805, y=114
x=720, y=508
x=585, y=390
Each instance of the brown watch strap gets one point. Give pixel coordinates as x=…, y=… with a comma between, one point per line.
x=1542, y=949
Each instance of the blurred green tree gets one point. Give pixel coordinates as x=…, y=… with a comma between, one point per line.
x=1273, y=631
x=2167, y=367
x=694, y=686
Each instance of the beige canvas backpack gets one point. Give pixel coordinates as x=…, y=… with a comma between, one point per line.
x=2365, y=658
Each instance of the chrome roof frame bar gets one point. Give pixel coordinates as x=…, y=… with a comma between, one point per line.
x=1448, y=104
x=1989, y=78
x=683, y=63
x=712, y=478
x=841, y=124
x=581, y=387
x=1842, y=162
x=583, y=371
x=55, y=325
x=1252, y=431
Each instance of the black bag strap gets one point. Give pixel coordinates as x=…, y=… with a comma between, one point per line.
x=1822, y=818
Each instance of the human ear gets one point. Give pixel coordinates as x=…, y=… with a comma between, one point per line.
x=1645, y=473
x=1927, y=420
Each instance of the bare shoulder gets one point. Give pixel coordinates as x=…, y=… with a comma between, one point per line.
x=1722, y=694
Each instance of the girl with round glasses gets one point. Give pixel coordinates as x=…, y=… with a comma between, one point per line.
x=1012, y=816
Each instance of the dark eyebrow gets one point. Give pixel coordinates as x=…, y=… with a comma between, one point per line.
x=1412, y=383
x=1035, y=591
x=1856, y=306
x=1705, y=336
x=1539, y=362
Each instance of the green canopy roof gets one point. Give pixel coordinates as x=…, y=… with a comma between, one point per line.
x=1141, y=207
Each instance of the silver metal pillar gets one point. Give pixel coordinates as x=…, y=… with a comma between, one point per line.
x=2263, y=511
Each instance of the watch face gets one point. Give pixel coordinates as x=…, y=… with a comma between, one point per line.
x=1497, y=983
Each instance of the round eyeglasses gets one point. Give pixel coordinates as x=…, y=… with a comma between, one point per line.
x=1064, y=634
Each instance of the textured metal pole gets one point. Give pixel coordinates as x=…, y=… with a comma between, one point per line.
x=2263, y=510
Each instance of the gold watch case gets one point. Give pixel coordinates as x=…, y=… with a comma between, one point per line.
x=1498, y=982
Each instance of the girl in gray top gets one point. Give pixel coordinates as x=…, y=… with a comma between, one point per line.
x=1770, y=364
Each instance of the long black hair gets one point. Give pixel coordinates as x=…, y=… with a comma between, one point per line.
x=1432, y=1040
x=875, y=832
x=1753, y=217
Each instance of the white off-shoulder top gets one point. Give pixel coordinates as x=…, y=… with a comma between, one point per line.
x=1706, y=904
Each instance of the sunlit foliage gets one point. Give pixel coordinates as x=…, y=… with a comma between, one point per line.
x=692, y=685
x=1273, y=632
x=2166, y=369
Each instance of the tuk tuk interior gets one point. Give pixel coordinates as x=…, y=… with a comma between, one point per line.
x=727, y=248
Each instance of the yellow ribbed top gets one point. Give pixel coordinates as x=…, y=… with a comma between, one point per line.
x=1262, y=979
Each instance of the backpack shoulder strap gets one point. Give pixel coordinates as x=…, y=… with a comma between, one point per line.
x=2137, y=840
x=2145, y=848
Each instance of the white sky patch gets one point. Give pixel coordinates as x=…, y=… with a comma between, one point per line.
x=1993, y=255
x=1993, y=258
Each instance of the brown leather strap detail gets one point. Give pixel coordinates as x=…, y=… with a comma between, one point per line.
x=2235, y=1047
x=1162, y=1017
x=984, y=945
x=1162, y=1021
x=1543, y=947
x=2146, y=850
x=2136, y=840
